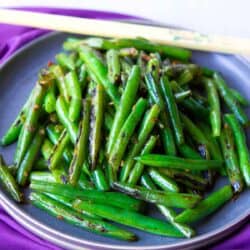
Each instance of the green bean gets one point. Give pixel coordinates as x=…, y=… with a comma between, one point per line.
x=172, y=110
x=96, y=124
x=126, y=133
x=30, y=157
x=58, y=173
x=41, y=176
x=206, y=207
x=240, y=98
x=108, y=121
x=198, y=136
x=167, y=161
x=166, y=132
x=207, y=72
x=182, y=95
x=75, y=94
x=8, y=181
x=60, y=80
x=171, y=199
x=82, y=77
x=241, y=145
x=139, y=43
x=65, y=61
x=113, y=63
x=188, y=152
x=162, y=181
x=33, y=113
x=153, y=67
x=131, y=52
x=62, y=211
x=15, y=128
x=108, y=198
x=56, y=155
x=129, y=218
x=99, y=70
x=80, y=151
x=148, y=123
x=84, y=181
x=50, y=100
x=179, y=174
x=62, y=111
x=137, y=171
x=185, y=77
x=127, y=101
x=54, y=133
x=100, y=180
x=214, y=103
x=175, y=69
x=231, y=159
x=11, y=168
x=68, y=202
x=167, y=212
x=229, y=99
x=213, y=142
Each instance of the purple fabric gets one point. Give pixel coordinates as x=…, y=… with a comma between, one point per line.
x=14, y=236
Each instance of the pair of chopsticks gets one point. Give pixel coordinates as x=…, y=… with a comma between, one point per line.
x=114, y=29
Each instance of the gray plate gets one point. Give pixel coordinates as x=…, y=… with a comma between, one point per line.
x=17, y=77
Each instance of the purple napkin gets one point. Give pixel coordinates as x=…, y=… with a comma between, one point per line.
x=14, y=236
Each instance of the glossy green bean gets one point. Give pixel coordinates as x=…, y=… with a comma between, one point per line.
x=62, y=211
x=239, y=97
x=241, y=146
x=125, y=134
x=137, y=171
x=167, y=212
x=62, y=112
x=198, y=136
x=166, y=132
x=127, y=101
x=50, y=99
x=229, y=99
x=59, y=173
x=139, y=43
x=99, y=70
x=164, y=182
x=60, y=80
x=113, y=64
x=129, y=218
x=31, y=122
x=206, y=207
x=96, y=125
x=65, y=61
x=182, y=95
x=171, y=199
x=214, y=104
x=9, y=182
x=231, y=159
x=188, y=152
x=172, y=110
x=56, y=155
x=75, y=94
x=53, y=133
x=28, y=161
x=100, y=180
x=147, y=125
x=81, y=147
x=109, y=198
x=167, y=161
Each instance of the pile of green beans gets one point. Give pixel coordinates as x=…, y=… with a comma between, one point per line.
x=113, y=125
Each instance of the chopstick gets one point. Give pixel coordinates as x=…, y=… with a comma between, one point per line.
x=114, y=29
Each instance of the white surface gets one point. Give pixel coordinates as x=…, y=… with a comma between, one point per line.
x=227, y=17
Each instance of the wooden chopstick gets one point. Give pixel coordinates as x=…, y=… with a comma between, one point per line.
x=114, y=29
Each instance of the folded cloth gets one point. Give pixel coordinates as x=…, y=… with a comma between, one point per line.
x=14, y=236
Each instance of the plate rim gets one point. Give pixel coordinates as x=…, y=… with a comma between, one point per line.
x=72, y=242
